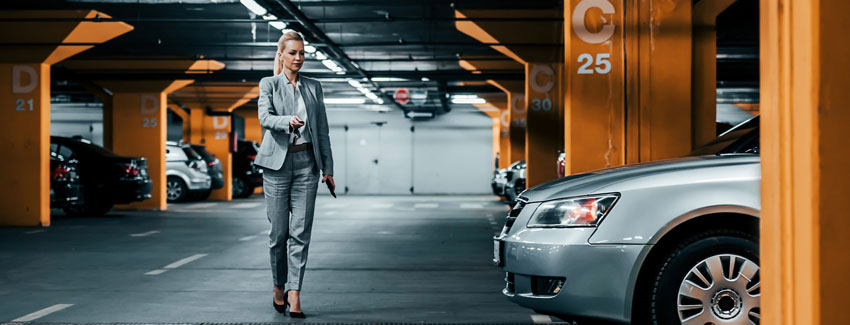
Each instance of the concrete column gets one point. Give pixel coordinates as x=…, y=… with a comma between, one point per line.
x=25, y=92
x=704, y=86
x=545, y=129
x=805, y=62
x=515, y=115
x=139, y=129
x=211, y=106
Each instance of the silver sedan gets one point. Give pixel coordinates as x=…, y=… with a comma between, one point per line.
x=665, y=242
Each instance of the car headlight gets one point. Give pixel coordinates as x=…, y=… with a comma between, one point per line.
x=583, y=211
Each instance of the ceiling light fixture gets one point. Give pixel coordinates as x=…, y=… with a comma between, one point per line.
x=254, y=7
x=309, y=48
x=355, y=84
x=345, y=101
x=321, y=56
x=467, y=99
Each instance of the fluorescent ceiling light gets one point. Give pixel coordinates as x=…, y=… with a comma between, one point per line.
x=388, y=79
x=353, y=100
x=425, y=79
x=254, y=7
x=355, y=84
x=380, y=101
x=321, y=56
x=412, y=114
x=309, y=48
x=467, y=99
x=371, y=96
x=278, y=24
x=270, y=17
x=330, y=64
x=364, y=90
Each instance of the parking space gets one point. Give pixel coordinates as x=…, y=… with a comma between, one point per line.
x=372, y=259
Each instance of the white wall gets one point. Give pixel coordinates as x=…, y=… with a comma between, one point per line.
x=450, y=154
x=85, y=120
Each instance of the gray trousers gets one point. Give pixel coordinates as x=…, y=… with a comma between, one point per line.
x=290, y=201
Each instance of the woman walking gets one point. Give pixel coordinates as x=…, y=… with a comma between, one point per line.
x=295, y=148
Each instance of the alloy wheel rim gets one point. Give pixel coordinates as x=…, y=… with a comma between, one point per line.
x=723, y=288
x=173, y=190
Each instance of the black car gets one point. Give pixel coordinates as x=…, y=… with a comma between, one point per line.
x=246, y=176
x=65, y=186
x=213, y=169
x=107, y=179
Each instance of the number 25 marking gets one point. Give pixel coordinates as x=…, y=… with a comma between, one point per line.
x=603, y=65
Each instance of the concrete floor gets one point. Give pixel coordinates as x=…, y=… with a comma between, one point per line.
x=372, y=259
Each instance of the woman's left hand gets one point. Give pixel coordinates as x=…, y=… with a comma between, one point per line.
x=330, y=180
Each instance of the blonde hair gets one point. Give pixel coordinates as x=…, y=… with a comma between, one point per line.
x=288, y=36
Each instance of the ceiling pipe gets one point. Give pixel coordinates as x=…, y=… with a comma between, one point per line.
x=335, y=50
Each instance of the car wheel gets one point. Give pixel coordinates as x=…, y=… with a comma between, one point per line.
x=239, y=187
x=176, y=189
x=711, y=279
x=247, y=193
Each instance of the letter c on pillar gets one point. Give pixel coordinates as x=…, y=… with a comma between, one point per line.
x=581, y=29
x=18, y=72
x=536, y=70
x=149, y=104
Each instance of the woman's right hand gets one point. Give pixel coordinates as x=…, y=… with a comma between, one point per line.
x=296, y=122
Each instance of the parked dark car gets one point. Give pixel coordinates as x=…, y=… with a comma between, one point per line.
x=246, y=176
x=213, y=169
x=65, y=186
x=107, y=179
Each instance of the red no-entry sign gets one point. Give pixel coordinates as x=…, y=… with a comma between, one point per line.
x=402, y=96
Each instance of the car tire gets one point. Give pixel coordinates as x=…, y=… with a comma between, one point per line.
x=239, y=187
x=176, y=189
x=710, y=278
x=247, y=193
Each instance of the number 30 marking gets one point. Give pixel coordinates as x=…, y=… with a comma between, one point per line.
x=603, y=65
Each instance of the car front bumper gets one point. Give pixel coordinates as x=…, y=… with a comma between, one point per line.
x=597, y=279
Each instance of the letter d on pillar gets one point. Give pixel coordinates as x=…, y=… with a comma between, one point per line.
x=149, y=104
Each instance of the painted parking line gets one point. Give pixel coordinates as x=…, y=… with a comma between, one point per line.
x=34, y=231
x=247, y=205
x=247, y=238
x=202, y=205
x=426, y=205
x=382, y=206
x=471, y=206
x=41, y=313
x=145, y=234
x=541, y=319
x=176, y=264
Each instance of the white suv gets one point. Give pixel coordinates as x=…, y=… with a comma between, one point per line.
x=186, y=172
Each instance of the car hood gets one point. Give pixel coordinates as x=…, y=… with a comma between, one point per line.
x=590, y=182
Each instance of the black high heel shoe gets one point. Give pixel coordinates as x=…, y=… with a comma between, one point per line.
x=281, y=308
x=293, y=314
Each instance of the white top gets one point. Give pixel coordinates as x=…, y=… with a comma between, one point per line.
x=301, y=111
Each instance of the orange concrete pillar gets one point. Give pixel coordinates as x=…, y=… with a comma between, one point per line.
x=704, y=84
x=543, y=137
x=805, y=62
x=253, y=131
x=210, y=108
x=658, y=47
x=25, y=90
x=137, y=115
x=594, y=97
x=515, y=115
x=139, y=129
x=545, y=133
x=184, y=115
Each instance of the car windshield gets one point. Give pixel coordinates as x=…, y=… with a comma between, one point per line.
x=743, y=138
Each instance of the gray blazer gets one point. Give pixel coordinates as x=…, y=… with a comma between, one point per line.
x=275, y=117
